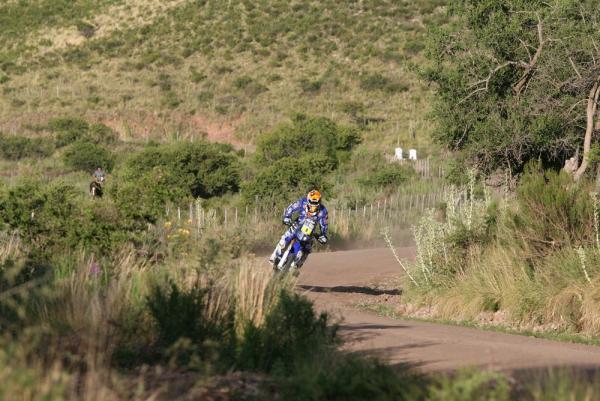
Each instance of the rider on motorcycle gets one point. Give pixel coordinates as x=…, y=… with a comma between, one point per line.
x=306, y=208
x=97, y=181
x=98, y=175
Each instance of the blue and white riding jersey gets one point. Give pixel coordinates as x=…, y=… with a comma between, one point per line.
x=301, y=207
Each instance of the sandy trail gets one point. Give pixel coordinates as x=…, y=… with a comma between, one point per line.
x=336, y=281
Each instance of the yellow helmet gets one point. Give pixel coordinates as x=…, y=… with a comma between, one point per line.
x=314, y=200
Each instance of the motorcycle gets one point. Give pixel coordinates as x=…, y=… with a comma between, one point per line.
x=96, y=190
x=303, y=234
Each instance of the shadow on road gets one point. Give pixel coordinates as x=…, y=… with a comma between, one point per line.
x=350, y=289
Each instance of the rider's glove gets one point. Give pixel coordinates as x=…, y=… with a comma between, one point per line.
x=322, y=239
x=287, y=221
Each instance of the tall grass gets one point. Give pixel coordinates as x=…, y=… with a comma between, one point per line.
x=534, y=258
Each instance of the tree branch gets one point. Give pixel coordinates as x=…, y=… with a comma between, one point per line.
x=485, y=81
x=523, y=82
x=575, y=68
x=589, y=130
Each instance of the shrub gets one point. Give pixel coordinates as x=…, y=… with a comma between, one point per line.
x=51, y=217
x=389, y=175
x=180, y=314
x=71, y=129
x=86, y=29
x=306, y=136
x=67, y=129
x=351, y=378
x=372, y=82
x=291, y=335
x=287, y=177
x=18, y=147
x=72, y=124
x=100, y=133
x=309, y=86
x=173, y=173
x=87, y=156
x=553, y=212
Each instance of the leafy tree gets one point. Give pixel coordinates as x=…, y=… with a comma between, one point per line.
x=517, y=80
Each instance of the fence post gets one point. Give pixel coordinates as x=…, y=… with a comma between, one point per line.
x=191, y=216
x=377, y=215
x=198, y=214
x=384, y=207
x=178, y=214
x=236, y=216
x=225, y=220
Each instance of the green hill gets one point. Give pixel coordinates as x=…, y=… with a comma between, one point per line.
x=229, y=69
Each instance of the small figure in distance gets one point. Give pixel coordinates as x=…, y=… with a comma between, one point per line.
x=96, y=189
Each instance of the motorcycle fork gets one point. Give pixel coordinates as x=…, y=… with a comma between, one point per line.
x=286, y=254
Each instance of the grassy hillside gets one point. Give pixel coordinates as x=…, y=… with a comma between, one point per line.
x=229, y=69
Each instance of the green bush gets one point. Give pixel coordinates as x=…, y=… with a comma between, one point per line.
x=73, y=124
x=306, y=136
x=54, y=217
x=100, y=133
x=18, y=147
x=72, y=129
x=390, y=175
x=276, y=183
x=41, y=214
x=553, y=211
x=291, y=335
x=87, y=156
x=174, y=173
x=68, y=129
x=337, y=377
x=179, y=314
x=297, y=157
x=376, y=81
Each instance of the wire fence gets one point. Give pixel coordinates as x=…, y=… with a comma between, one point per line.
x=401, y=208
x=424, y=167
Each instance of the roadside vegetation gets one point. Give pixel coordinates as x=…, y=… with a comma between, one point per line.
x=204, y=115
x=515, y=244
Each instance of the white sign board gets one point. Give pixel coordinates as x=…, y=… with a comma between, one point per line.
x=412, y=154
x=398, y=153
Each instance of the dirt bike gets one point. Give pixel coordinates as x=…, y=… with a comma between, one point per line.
x=96, y=190
x=303, y=233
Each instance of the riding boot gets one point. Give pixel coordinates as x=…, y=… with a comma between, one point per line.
x=278, y=252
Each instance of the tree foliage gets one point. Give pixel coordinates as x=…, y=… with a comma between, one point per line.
x=299, y=156
x=307, y=136
x=87, y=156
x=513, y=79
x=172, y=173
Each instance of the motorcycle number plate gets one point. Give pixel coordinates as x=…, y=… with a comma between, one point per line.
x=308, y=227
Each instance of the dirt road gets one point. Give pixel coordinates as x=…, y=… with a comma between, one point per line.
x=336, y=281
